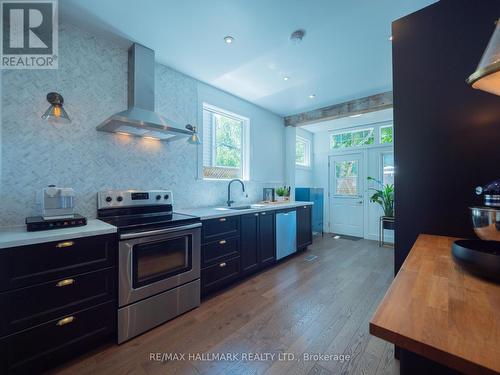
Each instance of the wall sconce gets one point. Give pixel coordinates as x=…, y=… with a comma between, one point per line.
x=193, y=138
x=56, y=113
x=487, y=75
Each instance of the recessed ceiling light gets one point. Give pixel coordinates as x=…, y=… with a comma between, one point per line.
x=286, y=78
x=228, y=39
x=390, y=38
x=312, y=96
x=122, y=133
x=151, y=138
x=353, y=116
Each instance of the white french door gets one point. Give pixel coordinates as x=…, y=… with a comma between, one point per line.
x=346, y=175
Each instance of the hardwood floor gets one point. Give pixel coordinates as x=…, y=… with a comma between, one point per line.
x=321, y=306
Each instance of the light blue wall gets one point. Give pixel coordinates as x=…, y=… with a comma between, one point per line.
x=92, y=77
x=304, y=176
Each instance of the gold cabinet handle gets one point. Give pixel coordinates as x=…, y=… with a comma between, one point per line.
x=65, y=282
x=222, y=219
x=64, y=321
x=222, y=242
x=61, y=245
x=223, y=264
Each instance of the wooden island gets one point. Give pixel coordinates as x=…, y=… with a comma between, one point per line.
x=441, y=317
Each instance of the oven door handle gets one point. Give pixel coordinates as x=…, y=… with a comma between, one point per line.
x=127, y=236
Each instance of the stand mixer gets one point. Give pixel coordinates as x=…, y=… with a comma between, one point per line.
x=482, y=257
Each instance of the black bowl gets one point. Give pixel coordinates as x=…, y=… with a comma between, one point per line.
x=480, y=258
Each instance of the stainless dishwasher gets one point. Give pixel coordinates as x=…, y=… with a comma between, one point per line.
x=286, y=233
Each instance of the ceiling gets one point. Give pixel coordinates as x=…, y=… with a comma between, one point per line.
x=350, y=122
x=344, y=55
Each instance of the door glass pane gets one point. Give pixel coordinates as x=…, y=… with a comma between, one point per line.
x=388, y=168
x=158, y=260
x=346, y=177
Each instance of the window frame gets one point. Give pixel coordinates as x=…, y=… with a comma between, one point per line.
x=245, y=142
x=382, y=154
x=307, y=152
x=390, y=125
x=352, y=131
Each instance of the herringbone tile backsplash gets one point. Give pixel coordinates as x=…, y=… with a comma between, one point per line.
x=92, y=77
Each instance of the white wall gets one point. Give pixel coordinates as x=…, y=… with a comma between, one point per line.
x=320, y=170
x=290, y=136
x=304, y=175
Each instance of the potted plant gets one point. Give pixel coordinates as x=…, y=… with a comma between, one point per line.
x=282, y=193
x=384, y=196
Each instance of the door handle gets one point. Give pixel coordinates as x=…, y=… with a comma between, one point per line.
x=360, y=202
x=127, y=236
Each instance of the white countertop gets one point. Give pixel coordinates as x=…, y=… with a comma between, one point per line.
x=206, y=213
x=19, y=236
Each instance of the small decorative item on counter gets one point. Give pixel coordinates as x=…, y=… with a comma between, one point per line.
x=269, y=195
x=283, y=193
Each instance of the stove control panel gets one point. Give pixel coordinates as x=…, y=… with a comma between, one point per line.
x=133, y=198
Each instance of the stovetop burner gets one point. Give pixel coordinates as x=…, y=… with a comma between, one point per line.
x=136, y=211
x=143, y=223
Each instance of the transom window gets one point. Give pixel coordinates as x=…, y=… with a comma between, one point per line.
x=352, y=138
x=302, y=152
x=225, y=150
x=376, y=134
x=386, y=136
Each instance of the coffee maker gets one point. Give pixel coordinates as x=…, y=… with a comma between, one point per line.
x=57, y=206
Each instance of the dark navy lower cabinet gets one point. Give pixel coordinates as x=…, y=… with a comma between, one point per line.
x=57, y=300
x=304, y=229
x=236, y=246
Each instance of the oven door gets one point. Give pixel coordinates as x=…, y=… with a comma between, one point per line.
x=156, y=261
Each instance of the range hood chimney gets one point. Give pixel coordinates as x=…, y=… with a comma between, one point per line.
x=140, y=118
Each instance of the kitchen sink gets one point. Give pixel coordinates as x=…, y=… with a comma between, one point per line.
x=245, y=207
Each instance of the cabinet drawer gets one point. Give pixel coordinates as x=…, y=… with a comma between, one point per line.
x=27, y=307
x=219, y=274
x=215, y=229
x=28, y=265
x=49, y=344
x=217, y=250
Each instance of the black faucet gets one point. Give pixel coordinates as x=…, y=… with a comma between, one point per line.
x=229, y=201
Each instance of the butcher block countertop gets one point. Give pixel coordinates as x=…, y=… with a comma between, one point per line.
x=435, y=309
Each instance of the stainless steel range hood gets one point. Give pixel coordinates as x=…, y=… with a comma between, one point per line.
x=140, y=119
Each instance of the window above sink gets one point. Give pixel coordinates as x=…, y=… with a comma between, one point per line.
x=225, y=144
